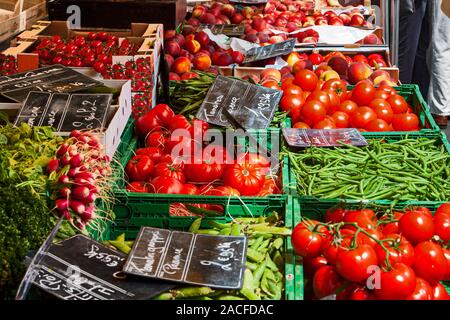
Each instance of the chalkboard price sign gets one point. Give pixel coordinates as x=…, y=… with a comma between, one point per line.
x=214, y=261
x=270, y=51
x=303, y=138
x=235, y=30
x=80, y=268
x=252, y=106
x=55, y=78
x=65, y=112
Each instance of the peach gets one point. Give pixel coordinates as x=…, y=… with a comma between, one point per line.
x=357, y=21
x=179, y=38
x=301, y=65
x=198, y=11
x=202, y=38
x=360, y=58
x=273, y=73
x=252, y=78
x=269, y=19
x=345, y=18
x=193, y=22
x=186, y=54
x=212, y=70
x=377, y=63
x=380, y=73
x=292, y=58
x=189, y=75
x=285, y=70
x=215, y=10
x=321, y=69
x=247, y=12
x=188, y=30
x=173, y=48
x=223, y=18
x=215, y=57
x=252, y=37
x=310, y=40
x=336, y=21
x=281, y=22
x=276, y=39
x=388, y=83
x=328, y=14
x=263, y=37
x=320, y=21
x=375, y=56
x=174, y=77
x=237, y=18
x=238, y=57
x=210, y=49
x=208, y=18
x=287, y=76
x=169, y=34
x=328, y=75
x=227, y=10
x=225, y=59
x=339, y=65
x=181, y=65
x=259, y=24
x=203, y=51
x=358, y=71
x=193, y=46
x=372, y=39
x=169, y=60
x=291, y=26
x=201, y=61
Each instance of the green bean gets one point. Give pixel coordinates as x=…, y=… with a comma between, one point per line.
x=258, y=273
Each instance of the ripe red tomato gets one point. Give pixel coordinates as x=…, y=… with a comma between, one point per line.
x=311, y=265
x=316, y=58
x=220, y=191
x=366, y=219
x=392, y=227
x=442, y=225
x=330, y=249
x=377, y=125
x=335, y=215
x=321, y=96
x=398, y=103
x=362, y=117
x=160, y=116
x=326, y=281
x=374, y=234
x=191, y=189
x=301, y=125
x=325, y=124
x=306, y=243
x=139, y=168
x=156, y=154
x=444, y=208
x=353, y=264
x=423, y=291
x=439, y=292
x=416, y=226
x=381, y=94
x=396, y=284
x=291, y=102
x=337, y=85
x=169, y=169
x=378, y=103
x=384, y=112
x=180, y=122
x=348, y=107
x=286, y=83
x=306, y=79
x=166, y=185
x=245, y=177
x=206, y=171
x=272, y=84
x=292, y=89
x=363, y=94
x=430, y=262
x=137, y=186
x=313, y=112
x=341, y=119
x=405, y=122
x=334, y=101
x=400, y=250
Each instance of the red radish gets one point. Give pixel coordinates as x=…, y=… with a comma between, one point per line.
x=94, y=189
x=73, y=172
x=93, y=142
x=65, y=192
x=90, y=198
x=88, y=214
x=65, y=160
x=79, y=224
x=84, y=182
x=84, y=139
x=107, y=158
x=76, y=160
x=72, y=150
x=62, y=150
x=82, y=168
x=86, y=175
x=77, y=207
x=80, y=193
x=64, y=179
x=65, y=213
x=52, y=165
x=75, y=133
x=62, y=204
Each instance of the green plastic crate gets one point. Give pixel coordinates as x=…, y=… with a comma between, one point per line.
x=316, y=209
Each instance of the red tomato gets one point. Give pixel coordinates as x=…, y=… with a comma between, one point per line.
x=388, y=89
x=444, y=208
x=326, y=281
x=169, y=169
x=398, y=103
x=400, y=250
x=439, y=292
x=156, y=139
x=384, y=112
x=316, y=58
x=363, y=93
x=272, y=84
x=442, y=225
x=365, y=239
x=341, y=119
x=348, y=107
x=220, y=191
x=430, y=262
x=191, y=189
x=180, y=146
x=334, y=101
x=362, y=117
x=335, y=215
x=160, y=116
x=306, y=243
x=392, y=227
x=306, y=79
x=166, y=185
x=199, y=128
x=301, y=125
x=291, y=102
x=253, y=158
x=330, y=250
x=423, y=291
x=313, y=112
x=180, y=122
x=381, y=94
x=270, y=187
x=416, y=226
x=139, y=168
x=311, y=265
x=377, y=125
x=137, y=186
x=353, y=264
x=245, y=177
x=325, y=124
x=355, y=292
x=339, y=86
x=378, y=103
x=396, y=284
x=321, y=96
x=205, y=172
x=405, y=122
x=366, y=219
x=292, y=89
x=286, y=83
x=156, y=154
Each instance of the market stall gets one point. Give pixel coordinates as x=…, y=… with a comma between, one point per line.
x=227, y=150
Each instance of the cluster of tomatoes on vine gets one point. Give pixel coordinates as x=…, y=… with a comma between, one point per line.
x=94, y=50
x=8, y=65
x=139, y=71
x=357, y=256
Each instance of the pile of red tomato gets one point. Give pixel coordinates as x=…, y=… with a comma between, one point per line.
x=154, y=169
x=313, y=104
x=357, y=256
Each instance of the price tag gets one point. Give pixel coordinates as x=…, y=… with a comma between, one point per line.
x=304, y=138
x=270, y=51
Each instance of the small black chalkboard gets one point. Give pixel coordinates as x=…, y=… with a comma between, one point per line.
x=213, y=261
x=270, y=51
x=65, y=112
x=303, y=138
x=55, y=78
x=235, y=30
x=252, y=106
x=80, y=268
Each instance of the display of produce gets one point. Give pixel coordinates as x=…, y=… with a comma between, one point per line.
x=404, y=249
x=8, y=65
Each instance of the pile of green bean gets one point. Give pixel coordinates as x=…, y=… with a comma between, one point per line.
x=409, y=169
x=264, y=273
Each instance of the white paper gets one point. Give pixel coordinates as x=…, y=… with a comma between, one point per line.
x=338, y=11
x=338, y=34
x=222, y=40
x=242, y=45
x=279, y=64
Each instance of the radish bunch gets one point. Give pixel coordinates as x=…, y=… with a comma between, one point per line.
x=80, y=172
